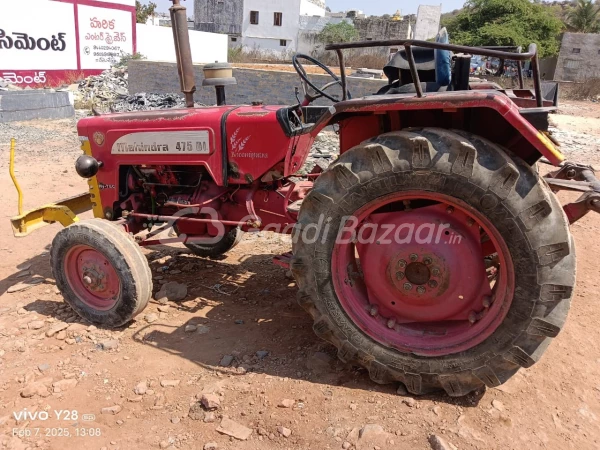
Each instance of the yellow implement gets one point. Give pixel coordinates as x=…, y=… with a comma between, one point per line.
x=64, y=211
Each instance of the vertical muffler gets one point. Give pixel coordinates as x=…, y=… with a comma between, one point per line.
x=185, y=66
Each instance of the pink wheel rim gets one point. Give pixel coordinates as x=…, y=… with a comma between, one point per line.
x=442, y=288
x=92, y=277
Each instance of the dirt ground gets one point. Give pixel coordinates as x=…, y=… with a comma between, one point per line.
x=289, y=68
x=138, y=387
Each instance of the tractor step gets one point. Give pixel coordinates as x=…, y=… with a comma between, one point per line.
x=283, y=260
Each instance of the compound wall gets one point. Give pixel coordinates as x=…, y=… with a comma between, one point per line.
x=271, y=87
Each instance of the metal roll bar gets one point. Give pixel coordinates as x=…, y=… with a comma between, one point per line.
x=494, y=52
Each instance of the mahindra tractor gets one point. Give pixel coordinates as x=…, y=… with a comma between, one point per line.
x=431, y=251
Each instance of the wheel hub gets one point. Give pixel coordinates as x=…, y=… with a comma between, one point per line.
x=418, y=273
x=430, y=275
x=422, y=288
x=92, y=277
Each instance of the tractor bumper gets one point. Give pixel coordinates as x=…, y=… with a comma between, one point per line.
x=64, y=211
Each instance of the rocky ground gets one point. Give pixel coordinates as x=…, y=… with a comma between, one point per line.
x=233, y=362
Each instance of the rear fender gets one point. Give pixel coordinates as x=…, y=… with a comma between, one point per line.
x=374, y=115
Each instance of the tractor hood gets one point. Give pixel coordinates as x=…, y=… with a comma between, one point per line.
x=235, y=144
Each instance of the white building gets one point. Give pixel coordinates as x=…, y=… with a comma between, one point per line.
x=273, y=25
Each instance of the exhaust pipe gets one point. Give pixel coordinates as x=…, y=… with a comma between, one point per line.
x=185, y=67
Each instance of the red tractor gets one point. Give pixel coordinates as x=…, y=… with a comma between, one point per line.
x=431, y=252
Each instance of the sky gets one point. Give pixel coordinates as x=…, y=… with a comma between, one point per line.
x=370, y=7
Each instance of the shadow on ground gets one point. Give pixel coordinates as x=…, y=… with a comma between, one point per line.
x=38, y=267
x=243, y=305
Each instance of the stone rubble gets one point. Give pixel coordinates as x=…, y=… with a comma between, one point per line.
x=234, y=429
x=108, y=92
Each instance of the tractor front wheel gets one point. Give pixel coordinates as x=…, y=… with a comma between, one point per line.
x=434, y=258
x=101, y=272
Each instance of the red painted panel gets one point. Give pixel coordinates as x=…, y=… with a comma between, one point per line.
x=256, y=142
x=104, y=131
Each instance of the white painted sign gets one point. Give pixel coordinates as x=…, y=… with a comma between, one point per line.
x=36, y=40
x=104, y=36
x=163, y=143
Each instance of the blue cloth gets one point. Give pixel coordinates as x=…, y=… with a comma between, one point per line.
x=443, y=71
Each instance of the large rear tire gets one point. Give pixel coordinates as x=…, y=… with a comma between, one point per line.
x=101, y=272
x=401, y=316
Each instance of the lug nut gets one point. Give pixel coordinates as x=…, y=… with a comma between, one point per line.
x=399, y=275
x=435, y=272
x=470, y=221
x=407, y=286
x=421, y=289
x=432, y=283
x=374, y=310
x=87, y=280
x=402, y=264
x=472, y=317
x=391, y=323
x=487, y=301
x=427, y=260
x=450, y=209
x=414, y=257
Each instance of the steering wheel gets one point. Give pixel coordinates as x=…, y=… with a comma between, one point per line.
x=307, y=83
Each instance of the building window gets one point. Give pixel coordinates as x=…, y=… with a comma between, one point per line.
x=572, y=64
x=576, y=51
x=278, y=19
x=254, y=17
x=233, y=39
x=283, y=42
x=599, y=52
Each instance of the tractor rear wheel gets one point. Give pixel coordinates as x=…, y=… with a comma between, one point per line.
x=216, y=249
x=101, y=272
x=441, y=261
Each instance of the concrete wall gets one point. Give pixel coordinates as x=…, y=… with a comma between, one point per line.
x=156, y=43
x=217, y=16
x=35, y=104
x=310, y=27
x=272, y=87
x=428, y=22
x=376, y=28
x=578, y=66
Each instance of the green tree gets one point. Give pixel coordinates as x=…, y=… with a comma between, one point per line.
x=585, y=17
x=339, y=32
x=506, y=22
x=143, y=12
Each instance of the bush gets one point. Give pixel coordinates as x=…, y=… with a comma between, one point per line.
x=589, y=90
x=339, y=32
x=126, y=57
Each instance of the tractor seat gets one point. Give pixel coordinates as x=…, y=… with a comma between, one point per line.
x=433, y=67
